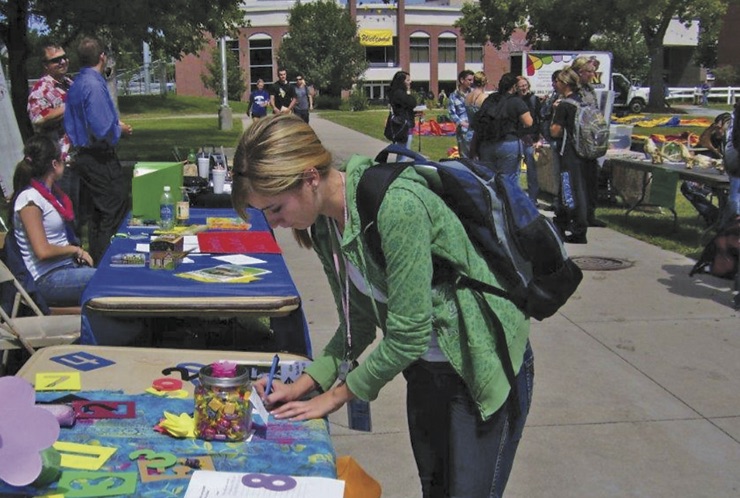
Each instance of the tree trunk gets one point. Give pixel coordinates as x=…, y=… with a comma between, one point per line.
x=654, y=35
x=17, y=52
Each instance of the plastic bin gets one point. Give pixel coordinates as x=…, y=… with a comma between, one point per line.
x=620, y=137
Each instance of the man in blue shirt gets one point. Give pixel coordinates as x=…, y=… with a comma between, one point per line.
x=92, y=124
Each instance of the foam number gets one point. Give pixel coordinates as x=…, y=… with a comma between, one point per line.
x=89, y=484
x=155, y=460
x=182, y=470
x=269, y=481
x=58, y=381
x=167, y=384
x=83, y=456
x=104, y=409
x=82, y=361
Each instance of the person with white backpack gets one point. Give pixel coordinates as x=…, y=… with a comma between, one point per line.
x=571, y=215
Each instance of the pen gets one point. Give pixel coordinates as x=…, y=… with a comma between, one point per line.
x=271, y=376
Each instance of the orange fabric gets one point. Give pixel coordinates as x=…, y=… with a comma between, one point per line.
x=357, y=482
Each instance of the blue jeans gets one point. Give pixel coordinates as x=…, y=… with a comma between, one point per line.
x=63, y=286
x=459, y=455
x=408, y=143
x=533, y=185
x=732, y=206
x=504, y=156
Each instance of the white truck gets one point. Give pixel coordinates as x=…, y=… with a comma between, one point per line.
x=627, y=95
x=538, y=66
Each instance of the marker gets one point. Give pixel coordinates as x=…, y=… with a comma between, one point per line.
x=271, y=376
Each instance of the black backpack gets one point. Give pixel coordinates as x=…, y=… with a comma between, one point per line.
x=522, y=247
x=490, y=122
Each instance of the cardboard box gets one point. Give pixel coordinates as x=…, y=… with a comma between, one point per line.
x=164, y=260
x=172, y=243
x=148, y=184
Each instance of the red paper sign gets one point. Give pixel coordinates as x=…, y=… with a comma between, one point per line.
x=238, y=243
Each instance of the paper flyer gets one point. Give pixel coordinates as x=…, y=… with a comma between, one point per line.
x=225, y=274
x=212, y=484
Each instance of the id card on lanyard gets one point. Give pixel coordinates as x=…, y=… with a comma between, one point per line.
x=358, y=411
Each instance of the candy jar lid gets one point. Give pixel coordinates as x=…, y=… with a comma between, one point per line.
x=224, y=374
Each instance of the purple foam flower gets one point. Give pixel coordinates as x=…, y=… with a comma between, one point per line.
x=25, y=431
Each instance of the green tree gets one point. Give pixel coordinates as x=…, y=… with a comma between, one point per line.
x=654, y=18
x=322, y=44
x=629, y=54
x=573, y=25
x=176, y=27
x=235, y=85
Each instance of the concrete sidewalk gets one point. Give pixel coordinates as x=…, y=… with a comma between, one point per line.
x=637, y=390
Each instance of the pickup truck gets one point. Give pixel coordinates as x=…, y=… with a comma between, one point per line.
x=627, y=95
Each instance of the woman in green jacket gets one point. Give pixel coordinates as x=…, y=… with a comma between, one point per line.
x=438, y=335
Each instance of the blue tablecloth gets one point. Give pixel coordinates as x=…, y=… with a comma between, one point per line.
x=143, y=282
x=287, y=448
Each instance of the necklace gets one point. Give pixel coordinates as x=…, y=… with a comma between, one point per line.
x=344, y=201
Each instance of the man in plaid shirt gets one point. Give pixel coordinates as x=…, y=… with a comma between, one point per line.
x=46, y=110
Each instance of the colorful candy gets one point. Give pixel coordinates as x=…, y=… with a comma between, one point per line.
x=222, y=408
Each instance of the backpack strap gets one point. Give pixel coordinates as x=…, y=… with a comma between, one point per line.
x=371, y=190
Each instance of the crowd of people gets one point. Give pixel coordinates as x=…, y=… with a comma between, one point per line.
x=282, y=97
x=70, y=175
x=435, y=333
x=509, y=126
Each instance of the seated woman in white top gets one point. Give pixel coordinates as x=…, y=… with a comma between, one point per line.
x=43, y=226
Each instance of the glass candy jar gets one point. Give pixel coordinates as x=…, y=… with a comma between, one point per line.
x=222, y=408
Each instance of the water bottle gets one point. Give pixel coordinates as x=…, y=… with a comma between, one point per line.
x=166, y=210
x=183, y=207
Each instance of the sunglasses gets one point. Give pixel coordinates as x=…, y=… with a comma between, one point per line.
x=299, y=79
x=57, y=60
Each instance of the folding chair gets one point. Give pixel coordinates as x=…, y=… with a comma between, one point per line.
x=30, y=332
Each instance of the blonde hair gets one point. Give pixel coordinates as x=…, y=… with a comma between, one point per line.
x=272, y=157
x=480, y=80
x=579, y=63
x=570, y=78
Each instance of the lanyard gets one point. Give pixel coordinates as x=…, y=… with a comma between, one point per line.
x=337, y=236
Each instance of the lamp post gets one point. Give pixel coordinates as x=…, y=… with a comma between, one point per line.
x=225, y=121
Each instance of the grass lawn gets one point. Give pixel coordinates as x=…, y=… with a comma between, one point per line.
x=162, y=123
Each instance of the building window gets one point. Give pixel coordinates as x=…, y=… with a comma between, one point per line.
x=473, y=53
x=233, y=45
x=419, y=46
x=381, y=56
x=375, y=90
x=448, y=50
x=260, y=61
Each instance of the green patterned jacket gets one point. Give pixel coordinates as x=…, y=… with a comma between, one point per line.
x=414, y=225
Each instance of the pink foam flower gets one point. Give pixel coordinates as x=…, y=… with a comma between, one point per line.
x=25, y=431
x=223, y=369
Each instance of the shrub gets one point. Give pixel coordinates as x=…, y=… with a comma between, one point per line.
x=328, y=102
x=358, y=101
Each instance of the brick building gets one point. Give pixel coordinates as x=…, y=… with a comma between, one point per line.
x=420, y=39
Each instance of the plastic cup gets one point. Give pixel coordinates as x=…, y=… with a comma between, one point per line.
x=219, y=177
x=204, y=164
